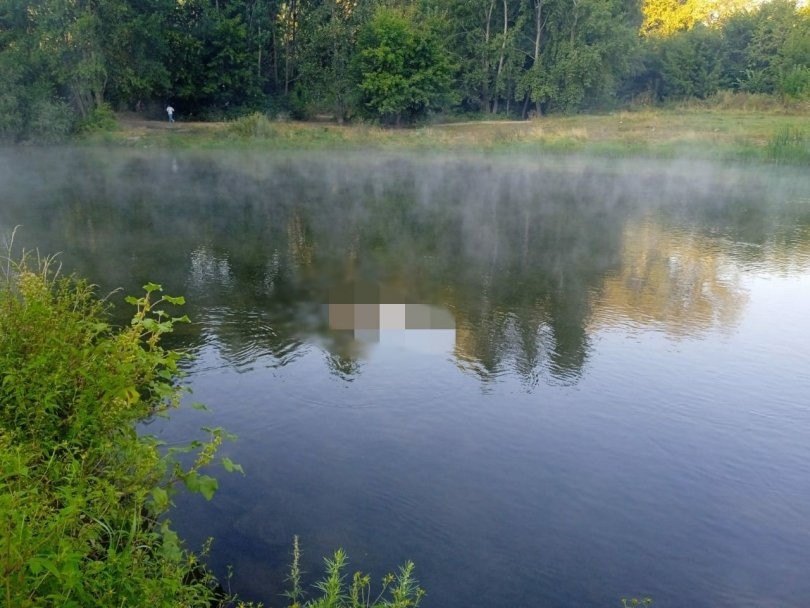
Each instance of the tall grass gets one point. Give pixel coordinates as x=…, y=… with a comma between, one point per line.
x=789, y=145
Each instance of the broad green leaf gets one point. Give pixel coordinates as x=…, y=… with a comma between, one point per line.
x=208, y=486
x=230, y=466
x=171, y=543
x=161, y=498
x=192, y=481
x=38, y=564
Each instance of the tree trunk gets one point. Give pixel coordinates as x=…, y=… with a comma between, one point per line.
x=538, y=24
x=485, y=96
x=259, y=60
x=289, y=55
x=502, y=54
x=574, y=24
x=275, y=56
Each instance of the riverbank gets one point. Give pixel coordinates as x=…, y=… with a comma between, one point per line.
x=739, y=133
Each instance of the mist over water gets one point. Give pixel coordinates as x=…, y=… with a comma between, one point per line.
x=610, y=398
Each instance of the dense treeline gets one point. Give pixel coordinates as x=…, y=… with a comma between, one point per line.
x=66, y=63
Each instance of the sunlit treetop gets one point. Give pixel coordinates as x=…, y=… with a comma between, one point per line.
x=666, y=17
x=346, y=6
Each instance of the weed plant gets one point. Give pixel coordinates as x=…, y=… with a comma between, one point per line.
x=255, y=125
x=83, y=497
x=400, y=590
x=789, y=145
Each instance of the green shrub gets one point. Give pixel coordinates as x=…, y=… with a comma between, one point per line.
x=796, y=83
x=101, y=118
x=51, y=121
x=253, y=125
x=83, y=497
x=12, y=121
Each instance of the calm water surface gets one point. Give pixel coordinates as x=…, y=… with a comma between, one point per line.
x=603, y=390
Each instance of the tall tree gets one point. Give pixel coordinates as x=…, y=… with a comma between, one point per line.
x=404, y=68
x=213, y=66
x=328, y=81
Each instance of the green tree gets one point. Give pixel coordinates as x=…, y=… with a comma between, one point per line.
x=404, y=69
x=795, y=52
x=135, y=49
x=327, y=81
x=587, y=49
x=691, y=63
x=212, y=64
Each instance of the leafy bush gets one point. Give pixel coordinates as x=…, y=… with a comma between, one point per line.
x=82, y=496
x=51, y=121
x=12, y=121
x=691, y=64
x=796, y=83
x=101, y=118
x=253, y=125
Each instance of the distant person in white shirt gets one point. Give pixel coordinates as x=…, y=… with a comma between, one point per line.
x=170, y=112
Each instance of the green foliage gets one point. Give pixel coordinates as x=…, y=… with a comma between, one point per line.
x=327, y=81
x=211, y=62
x=691, y=64
x=101, y=118
x=405, y=72
x=135, y=49
x=82, y=495
x=789, y=145
x=295, y=594
x=795, y=83
x=590, y=54
x=252, y=125
x=400, y=590
x=391, y=61
x=761, y=51
x=49, y=121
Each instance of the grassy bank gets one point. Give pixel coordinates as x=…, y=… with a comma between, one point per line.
x=737, y=131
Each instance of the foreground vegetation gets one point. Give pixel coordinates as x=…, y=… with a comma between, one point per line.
x=83, y=497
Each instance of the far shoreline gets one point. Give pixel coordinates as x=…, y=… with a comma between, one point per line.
x=774, y=134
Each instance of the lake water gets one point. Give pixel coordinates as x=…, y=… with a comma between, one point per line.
x=547, y=381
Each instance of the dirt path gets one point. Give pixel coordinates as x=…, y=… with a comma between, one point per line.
x=481, y=122
x=136, y=124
